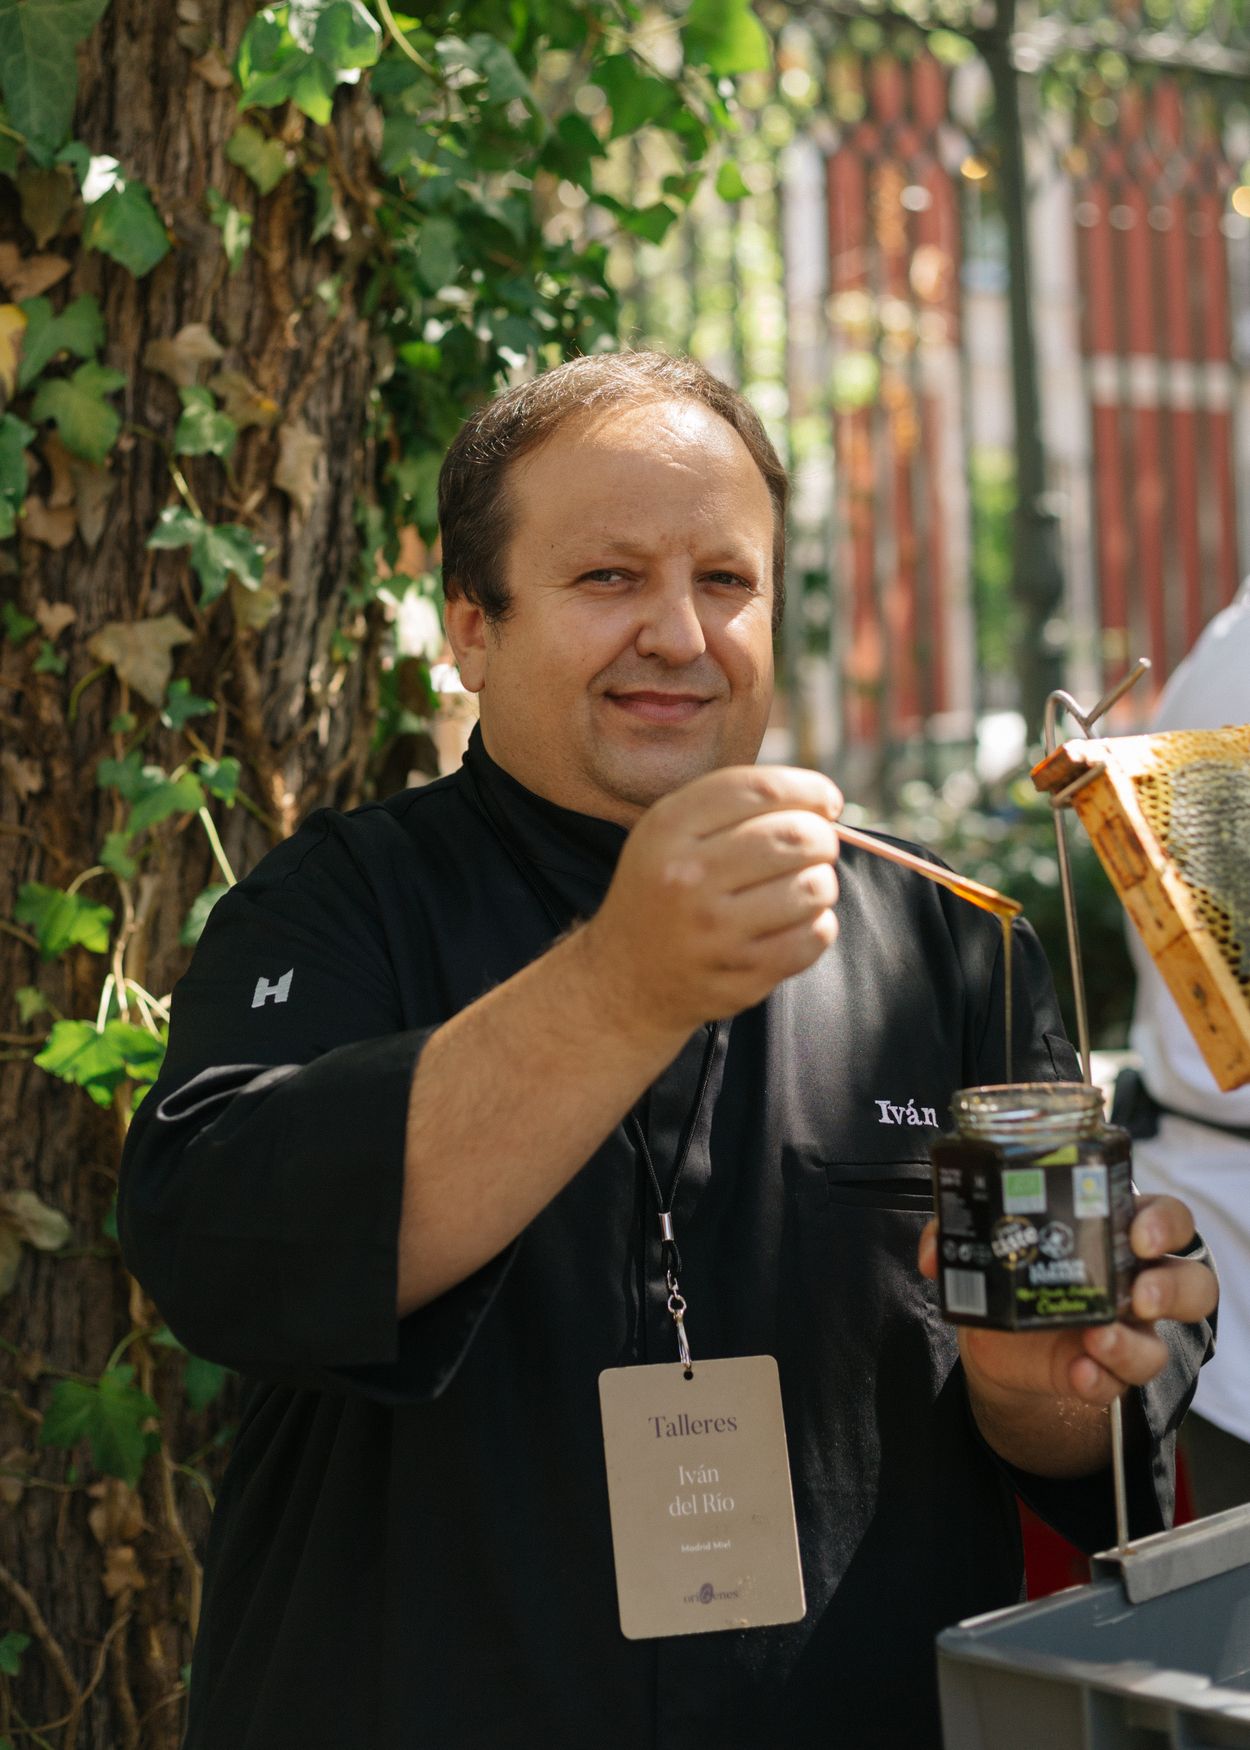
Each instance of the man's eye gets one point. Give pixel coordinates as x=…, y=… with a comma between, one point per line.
x=731, y=577
x=602, y=574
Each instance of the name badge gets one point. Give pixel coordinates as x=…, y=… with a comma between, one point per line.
x=703, y=1528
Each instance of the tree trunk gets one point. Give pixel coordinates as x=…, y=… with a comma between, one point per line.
x=110, y=1630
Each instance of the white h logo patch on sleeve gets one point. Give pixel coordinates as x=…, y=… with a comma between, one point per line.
x=279, y=990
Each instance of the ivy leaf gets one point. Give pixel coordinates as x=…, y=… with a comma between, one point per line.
x=141, y=651
x=726, y=37
x=203, y=1381
x=303, y=51
x=328, y=216
x=38, y=67
x=221, y=778
x=636, y=98
x=217, y=550
x=202, y=430
x=17, y=625
x=235, y=226
x=438, y=253
x=87, y=424
x=78, y=329
x=30, y=1002
x=123, y=224
x=182, y=795
x=109, y=1414
x=48, y=661
x=572, y=150
x=346, y=36
x=651, y=223
x=182, y=704
x=11, y=1649
x=114, y=856
x=729, y=183
x=15, y=438
x=62, y=920
x=264, y=161
x=197, y=917
x=497, y=65
x=99, y=1062
x=153, y=793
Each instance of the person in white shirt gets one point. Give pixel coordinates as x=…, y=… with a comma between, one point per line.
x=1200, y=1151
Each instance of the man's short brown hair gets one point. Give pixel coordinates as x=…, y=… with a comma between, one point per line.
x=474, y=512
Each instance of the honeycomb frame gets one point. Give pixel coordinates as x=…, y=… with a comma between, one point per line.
x=1195, y=941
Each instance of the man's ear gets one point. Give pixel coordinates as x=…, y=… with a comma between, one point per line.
x=465, y=625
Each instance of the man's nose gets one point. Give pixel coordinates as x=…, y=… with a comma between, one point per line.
x=671, y=628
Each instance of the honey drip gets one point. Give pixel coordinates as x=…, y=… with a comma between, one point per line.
x=975, y=892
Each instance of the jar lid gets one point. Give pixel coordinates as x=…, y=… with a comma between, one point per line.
x=1022, y=1113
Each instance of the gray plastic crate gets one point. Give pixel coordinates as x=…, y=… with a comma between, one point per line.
x=1154, y=1652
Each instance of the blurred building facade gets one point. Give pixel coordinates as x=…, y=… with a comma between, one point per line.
x=986, y=274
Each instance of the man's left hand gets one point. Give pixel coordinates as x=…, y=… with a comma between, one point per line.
x=1011, y=1373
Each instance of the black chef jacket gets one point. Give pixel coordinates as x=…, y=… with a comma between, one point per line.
x=411, y=1547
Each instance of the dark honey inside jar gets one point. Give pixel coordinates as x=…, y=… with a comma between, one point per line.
x=1034, y=1198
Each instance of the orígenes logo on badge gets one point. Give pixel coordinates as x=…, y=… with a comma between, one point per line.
x=706, y=1594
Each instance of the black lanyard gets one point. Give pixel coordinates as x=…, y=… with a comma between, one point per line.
x=561, y=919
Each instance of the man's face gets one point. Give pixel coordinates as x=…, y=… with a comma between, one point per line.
x=638, y=650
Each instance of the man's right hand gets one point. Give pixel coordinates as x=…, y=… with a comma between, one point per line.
x=724, y=888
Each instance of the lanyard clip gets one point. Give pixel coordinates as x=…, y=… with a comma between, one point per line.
x=677, y=1311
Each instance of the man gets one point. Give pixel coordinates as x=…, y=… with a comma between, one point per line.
x=404, y=1165
x=1193, y=1140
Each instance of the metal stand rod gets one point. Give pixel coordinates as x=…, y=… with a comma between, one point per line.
x=1059, y=700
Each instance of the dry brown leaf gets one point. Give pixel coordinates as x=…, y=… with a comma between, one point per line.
x=54, y=617
x=93, y=487
x=214, y=69
x=242, y=401
x=10, y=1255
x=179, y=359
x=21, y=775
x=37, y=1222
x=299, y=472
x=121, y=1571
x=58, y=460
x=254, y=608
x=47, y=196
x=12, y=328
x=117, y=1516
x=26, y=276
x=53, y=527
x=141, y=651
x=12, y=1488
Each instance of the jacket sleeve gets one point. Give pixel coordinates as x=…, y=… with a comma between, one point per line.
x=262, y=1180
x=1083, y=1509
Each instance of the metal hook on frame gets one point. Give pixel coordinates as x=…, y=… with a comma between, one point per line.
x=1057, y=701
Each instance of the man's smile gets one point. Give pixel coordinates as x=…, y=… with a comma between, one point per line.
x=659, y=707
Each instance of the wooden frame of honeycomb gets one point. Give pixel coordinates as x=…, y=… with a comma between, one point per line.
x=1115, y=786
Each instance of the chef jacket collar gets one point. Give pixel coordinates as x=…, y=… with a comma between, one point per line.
x=550, y=836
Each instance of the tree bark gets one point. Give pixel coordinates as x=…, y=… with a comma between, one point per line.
x=298, y=719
